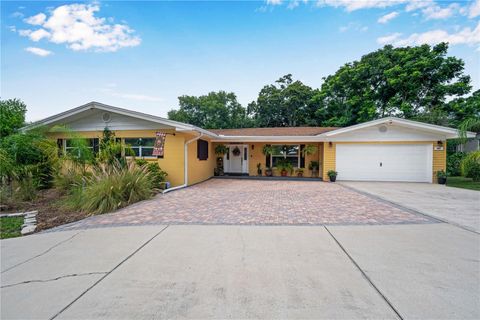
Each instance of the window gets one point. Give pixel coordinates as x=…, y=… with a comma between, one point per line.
x=289, y=152
x=72, y=148
x=142, y=147
x=202, y=149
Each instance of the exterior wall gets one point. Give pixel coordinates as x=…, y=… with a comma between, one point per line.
x=329, y=153
x=439, y=158
x=256, y=156
x=172, y=163
x=200, y=170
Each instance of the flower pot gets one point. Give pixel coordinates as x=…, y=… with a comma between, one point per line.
x=268, y=173
x=259, y=173
x=284, y=173
x=300, y=174
x=333, y=178
x=442, y=180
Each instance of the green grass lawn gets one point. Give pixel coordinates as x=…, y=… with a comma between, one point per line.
x=461, y=182
x=10, y=227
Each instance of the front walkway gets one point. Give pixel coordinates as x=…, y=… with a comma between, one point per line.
x=251, y=202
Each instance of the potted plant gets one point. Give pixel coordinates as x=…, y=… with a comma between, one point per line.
x=268, y=151
x=221, y=149
x=268, y=171
x=332, y=174
x=259, y=169
x=309, y=150
x=441, y=177
x=300, y=172
x=313, y=166
x=284, y=166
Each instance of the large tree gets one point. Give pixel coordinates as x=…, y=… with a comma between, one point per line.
x=216, y=110
x=12, y=116
x=408, y=82
x=286, y=103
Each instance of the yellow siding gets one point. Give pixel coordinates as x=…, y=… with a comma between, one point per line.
x=439, y=160
x=329, y=152
x=200, y=170
x=172, y=162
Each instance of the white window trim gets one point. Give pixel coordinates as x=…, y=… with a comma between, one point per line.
x=286, y=156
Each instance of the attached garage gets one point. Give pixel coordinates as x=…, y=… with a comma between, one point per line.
x=384, y=162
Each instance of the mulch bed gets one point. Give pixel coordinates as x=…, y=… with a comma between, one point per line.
x=50, y=211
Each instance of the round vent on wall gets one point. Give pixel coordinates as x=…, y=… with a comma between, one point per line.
x=106, y=117
x=382, y=129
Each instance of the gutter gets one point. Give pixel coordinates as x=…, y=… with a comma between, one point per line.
x=185, y=164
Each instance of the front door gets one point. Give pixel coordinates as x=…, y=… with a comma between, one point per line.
x=237, y=159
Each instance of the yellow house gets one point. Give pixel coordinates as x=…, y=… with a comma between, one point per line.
x=388, y=149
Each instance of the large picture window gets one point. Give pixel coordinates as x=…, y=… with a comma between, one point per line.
x=142, y=147
x=290, y=152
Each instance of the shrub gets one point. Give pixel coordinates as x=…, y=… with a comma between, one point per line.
x=454, y=161
x=471, y=166
x=157, y=174
x=112, y=187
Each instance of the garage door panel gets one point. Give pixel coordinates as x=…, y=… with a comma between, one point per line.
x=384, y=162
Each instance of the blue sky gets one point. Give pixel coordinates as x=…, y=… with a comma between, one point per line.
x=143, y=55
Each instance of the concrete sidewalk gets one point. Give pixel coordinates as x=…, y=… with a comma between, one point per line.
x=413, y=271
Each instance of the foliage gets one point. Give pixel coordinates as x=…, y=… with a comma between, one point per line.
x=284, y=165
x=309, y=150
x=157, y=174
x=332, y=173
x=408, y=82
x=470, y=124
x=268, y=150
x=216, y=110
x=221, y=149
x=314, y=165
x=441, y=174
x=461, y=182
x=12, y=116
x=454, y=163
x=110, y=187
x=10, y=227
x=471, y=166
x=286, y=103
x=464, y=112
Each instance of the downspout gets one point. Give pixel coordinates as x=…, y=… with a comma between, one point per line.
x=185, y=165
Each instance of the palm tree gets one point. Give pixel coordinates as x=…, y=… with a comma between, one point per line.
x=470, y=124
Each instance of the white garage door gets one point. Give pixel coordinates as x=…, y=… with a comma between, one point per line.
x=384, y=162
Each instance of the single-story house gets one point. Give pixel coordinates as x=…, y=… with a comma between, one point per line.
x=388, y=149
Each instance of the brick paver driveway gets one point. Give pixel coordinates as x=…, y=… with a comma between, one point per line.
x=257, y=202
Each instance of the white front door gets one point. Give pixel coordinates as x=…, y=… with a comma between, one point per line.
x=384, y=162
x=236, y=161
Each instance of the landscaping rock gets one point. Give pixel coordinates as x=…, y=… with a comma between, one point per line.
x=28, y=229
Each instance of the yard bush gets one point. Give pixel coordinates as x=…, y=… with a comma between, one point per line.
x=471, y=166
x=454, y=161
x=158, y=175
x=110, y=187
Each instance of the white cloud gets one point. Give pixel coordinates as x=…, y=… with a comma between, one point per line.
x=353, y=26
x=12, y=28
x=36, y=19
x=274, y=2
x=111, y=90
x=38, y=51
x=389, y=39
x=17, y=14
x=436, y=12
x=474, y=9
x=77, y=26
x=466, y=36
x=388, y=17
x=415, y=5
x=352, y=5
x=38, y=35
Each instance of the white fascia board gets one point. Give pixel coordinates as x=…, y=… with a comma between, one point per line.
x=449, y=133
x=222, y=138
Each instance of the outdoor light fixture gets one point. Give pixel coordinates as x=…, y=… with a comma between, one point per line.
x=330, y=144
x=440, y=142
x=253, y=147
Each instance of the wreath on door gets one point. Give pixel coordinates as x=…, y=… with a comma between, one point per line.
x=236, y=152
